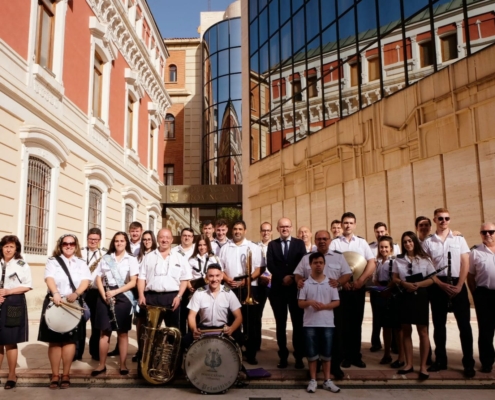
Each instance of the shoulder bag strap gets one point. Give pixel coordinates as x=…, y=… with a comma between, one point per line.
x=66, y=270
x=4, y=268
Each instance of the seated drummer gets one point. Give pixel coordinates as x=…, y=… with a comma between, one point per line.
x=214, y=303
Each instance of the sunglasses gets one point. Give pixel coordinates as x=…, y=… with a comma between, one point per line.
x=68, y=244
x=409, y=269
x=487, y=232
x=443, y=218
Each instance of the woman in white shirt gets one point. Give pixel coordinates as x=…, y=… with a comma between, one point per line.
x=15, y=280
x=62, y=346
x=410, y=268
x=201, y=257
x=116, y=277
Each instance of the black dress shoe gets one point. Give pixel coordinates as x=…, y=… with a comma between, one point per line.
x=486, y=370
x=359, y=364
x=385, y=360
x=374, y=349
x=124, y=372
x=469, y=372
x=282, y=364
x=397, y=364
x=423, y=376
x=252, y=360
x=299, y=364
x=346, y=364
x=114, y=352
x=405, y=371
x=435, y=367
x=96, y=372
x=337, y=373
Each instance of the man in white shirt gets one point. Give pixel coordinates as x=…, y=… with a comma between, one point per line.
x=264, y=281
x=352, y=297
x=233, y=256
x=336, y=228
x=221, y=230
x=135, y=233
x=163, y=277
x=305, y=235
x=208, y=230
x=450, y=293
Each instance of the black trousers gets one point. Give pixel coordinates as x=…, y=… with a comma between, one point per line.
x=262, y=296
x=184, y=312
x=163, y=299
x=250, y=316
x=484, y=302
x=283, y=300
x=376, y=326
x=439, y=309
x=94, y=340
x=352, y=303
x=338, y=338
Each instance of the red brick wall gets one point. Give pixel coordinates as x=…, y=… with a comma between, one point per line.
x=117, y=100
x=177, y=58
x=173, y=152
x=14, y=25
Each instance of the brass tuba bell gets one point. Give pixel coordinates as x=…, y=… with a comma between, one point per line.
x=160, y=348
x=356, y=262
x=249, y=301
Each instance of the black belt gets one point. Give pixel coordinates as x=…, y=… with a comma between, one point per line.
x=153, y=292
x=444, y=279
x=384, y=283
x=484, y=288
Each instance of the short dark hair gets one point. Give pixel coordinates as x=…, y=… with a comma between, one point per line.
x=186, y=230
x=221, y=222
x=265, y=223
x=421, y=218
x=11, y=239
x=348, y=215
x=213, y=266
x=379, y=225
x=135, y=225
x=207, y=222
x=239, y=222
x=314, y=256
x=336, y=221
x=95, y=231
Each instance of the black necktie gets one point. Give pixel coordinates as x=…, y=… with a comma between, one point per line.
x=285, y=248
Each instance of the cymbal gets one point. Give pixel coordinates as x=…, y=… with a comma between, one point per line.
x=357, y=263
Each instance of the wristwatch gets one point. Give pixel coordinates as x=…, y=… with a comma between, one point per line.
x=179, y=296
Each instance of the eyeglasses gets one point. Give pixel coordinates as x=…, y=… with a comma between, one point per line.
x=487, y=232
x=285, y=227
x=92, y=240
x=409, y=269
x=440, y=219
x=323, y=239
x=265, y=230
x=68, y=244
x=146, y=240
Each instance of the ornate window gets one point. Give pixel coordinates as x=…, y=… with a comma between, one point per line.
x=172, y=73
x=37, y=207
x=130, y=123
x=45, y=33
x=129, y=215
x=97, y=85
x=151, y=223
x=95, y=207
x=169, y=126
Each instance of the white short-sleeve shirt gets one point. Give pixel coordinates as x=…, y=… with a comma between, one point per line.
x=199, y=264
x=128, y=266
x=78, y=270
x=233, y=258
x=438, y=251
x=164, y=275
x=419, y=265
x=357, y=244
x=213, y=311
x=135, y=247
x=482, y=266
x=384, y=269
x=17, y=274
x=91, y=257
x=335, y=266
x=184, y=253
x=323, y=293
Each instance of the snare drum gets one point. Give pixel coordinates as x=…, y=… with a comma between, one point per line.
x=61, y=319
x=212, y=363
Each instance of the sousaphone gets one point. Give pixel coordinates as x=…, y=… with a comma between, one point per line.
x=356, y=262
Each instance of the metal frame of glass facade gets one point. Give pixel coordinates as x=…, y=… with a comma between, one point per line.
x=314, y=62
x=222, y=93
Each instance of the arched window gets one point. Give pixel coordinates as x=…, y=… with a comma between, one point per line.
x=169, y=127
x=37, y=207
x=151, y=223
x=95, y=207
x=172, y=73
x=129, y=215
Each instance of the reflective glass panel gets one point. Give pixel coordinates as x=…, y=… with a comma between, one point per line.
x=235, y=32
x=214, y=65
x=274, y=51
x=412, y=7
x=223, y=88
x=235, y=86
x=223, y=62
x=253, y=37
x=273, y=11
x=312, y=19
x=213, y=39
x=344, y=5
x=223, y=35
x=284, y=11
x=263, y=26
x=235, y=60
x=389, y=11
x=253, y=9
x=298, y=29
x=327, y=13
x=286, y=41
x=296, y=4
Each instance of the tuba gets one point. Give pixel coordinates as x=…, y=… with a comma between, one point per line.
x=249, y=269
x=161, y=347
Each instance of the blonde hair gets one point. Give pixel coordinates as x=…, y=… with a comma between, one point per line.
x=57, y=251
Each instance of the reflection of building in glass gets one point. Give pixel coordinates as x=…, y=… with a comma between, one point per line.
x=222, y=96
x=307, y=70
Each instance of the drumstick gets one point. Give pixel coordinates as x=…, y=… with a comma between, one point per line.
x=73, y=306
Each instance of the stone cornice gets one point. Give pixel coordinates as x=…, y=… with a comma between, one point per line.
x=124, y=36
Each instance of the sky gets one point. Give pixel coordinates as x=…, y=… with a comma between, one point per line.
x=180, y=18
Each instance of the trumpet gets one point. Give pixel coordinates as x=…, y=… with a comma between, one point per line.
x=250, y=301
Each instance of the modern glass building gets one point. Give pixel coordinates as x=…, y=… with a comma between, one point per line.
x=313, y=62
x=222, y=103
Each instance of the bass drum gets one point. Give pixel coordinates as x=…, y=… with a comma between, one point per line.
x=212, y=363
x=61, y=319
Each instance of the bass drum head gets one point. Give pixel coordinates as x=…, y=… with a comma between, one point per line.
x=212, y=364
x=60, y=319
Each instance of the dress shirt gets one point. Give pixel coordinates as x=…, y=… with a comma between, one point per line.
x=233, y=258
x=357, y=244
x=135, y=247
x=383, y=270
x=335, y=266
x=17, y=274
x=128, y=266
x=184, y=253
x=199, y=264
x=164, y=275
x=438, y=251
x=77, y=268
x=419, y=265
x=482, y=266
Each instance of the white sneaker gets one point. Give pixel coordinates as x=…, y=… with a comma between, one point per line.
x=312, y=386
x=329, y=385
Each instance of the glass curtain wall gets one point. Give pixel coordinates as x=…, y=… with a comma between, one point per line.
x=313, y=62
x=222, y=103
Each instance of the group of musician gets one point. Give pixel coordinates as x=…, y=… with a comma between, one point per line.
x=214, y=282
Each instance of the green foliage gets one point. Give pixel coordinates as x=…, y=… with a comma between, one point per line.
x=230, y=214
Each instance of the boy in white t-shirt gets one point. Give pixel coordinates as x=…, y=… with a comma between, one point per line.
x=318, y=299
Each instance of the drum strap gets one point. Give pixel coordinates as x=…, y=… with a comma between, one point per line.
x=4, y=267
x=120, y=281
x=66, y=270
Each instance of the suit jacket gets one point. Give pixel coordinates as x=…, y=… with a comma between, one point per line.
x=277, y=265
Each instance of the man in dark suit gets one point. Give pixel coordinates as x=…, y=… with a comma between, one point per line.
x=283, y=256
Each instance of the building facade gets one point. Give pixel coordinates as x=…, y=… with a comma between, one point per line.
x=82, y=118
x=368, y=106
